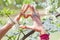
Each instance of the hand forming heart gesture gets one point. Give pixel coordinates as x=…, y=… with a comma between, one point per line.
x=35, y=17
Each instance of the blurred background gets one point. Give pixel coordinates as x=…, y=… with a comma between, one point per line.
x=49, y=9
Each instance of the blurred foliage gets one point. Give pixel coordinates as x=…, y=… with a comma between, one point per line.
x=58, y=3
x=58, y=25
x=2, y=22
x=7, y=8
x=6, y=11
x=27, y=1
x=1, y=2
x=19, y=1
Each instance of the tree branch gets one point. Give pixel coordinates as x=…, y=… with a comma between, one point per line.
x=58, y=15
x=28, y=34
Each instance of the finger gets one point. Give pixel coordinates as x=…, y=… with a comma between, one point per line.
x=31, y=8
x=25, y=8
x=27, y=15
x=21, y=26
x=17, y=17
x=36, y=19
x=26, y=27
x=34, y=16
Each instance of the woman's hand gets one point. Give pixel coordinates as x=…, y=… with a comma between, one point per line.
x=22, y=13
x=37, y=23
x=37, y=26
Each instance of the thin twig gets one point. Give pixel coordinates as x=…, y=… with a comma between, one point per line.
x=28, y=34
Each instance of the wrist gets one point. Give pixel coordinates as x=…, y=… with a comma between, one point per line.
x=42, y=31
x=8, y=25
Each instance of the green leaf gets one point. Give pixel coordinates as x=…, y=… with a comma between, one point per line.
x=58, y=25
x=52, y=22
x=27, y=1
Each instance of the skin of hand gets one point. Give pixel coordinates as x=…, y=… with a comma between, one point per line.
x=9, y=25
x=37, y=24
x=27, y=7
